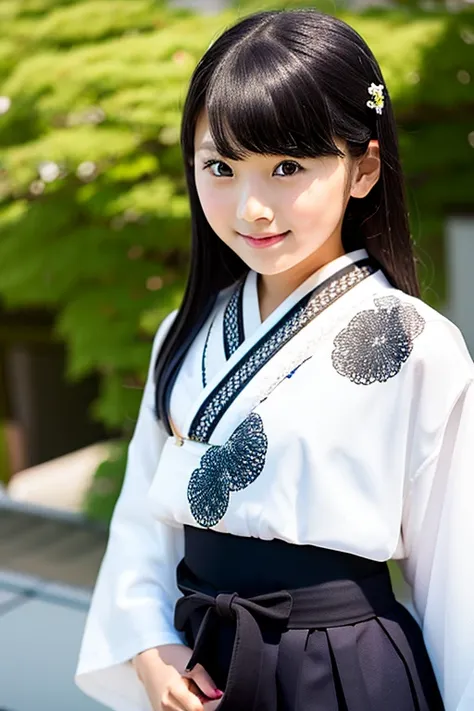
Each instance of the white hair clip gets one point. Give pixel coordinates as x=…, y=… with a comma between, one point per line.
x=376, y=91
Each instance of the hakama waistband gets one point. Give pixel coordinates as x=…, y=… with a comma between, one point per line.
x=331, y=604
x=241, y=627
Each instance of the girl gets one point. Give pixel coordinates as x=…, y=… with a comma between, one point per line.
x=306, y=416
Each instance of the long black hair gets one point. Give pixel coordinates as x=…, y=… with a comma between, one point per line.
x=287, y=83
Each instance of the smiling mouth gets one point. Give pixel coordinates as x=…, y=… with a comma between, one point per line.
x=260, y=241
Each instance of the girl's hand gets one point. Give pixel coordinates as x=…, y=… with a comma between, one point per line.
x=193, y=691
x=169, y=687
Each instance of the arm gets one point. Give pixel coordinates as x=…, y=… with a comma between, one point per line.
x=133, y=600
x=438, y=532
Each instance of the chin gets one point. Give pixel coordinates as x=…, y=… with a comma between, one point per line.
x=266, y=267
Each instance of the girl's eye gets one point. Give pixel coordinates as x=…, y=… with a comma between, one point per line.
x=221, y=170
x=288, y=167
x=218, y=168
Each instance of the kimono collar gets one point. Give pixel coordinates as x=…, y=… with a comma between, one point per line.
x=250, y=305
x=246, y=358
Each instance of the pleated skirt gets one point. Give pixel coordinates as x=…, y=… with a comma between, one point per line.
x=245, y=611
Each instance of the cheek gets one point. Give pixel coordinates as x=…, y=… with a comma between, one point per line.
x=321, y=202
x=215, y=203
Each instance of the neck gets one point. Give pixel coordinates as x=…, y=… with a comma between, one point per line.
x=273, y=289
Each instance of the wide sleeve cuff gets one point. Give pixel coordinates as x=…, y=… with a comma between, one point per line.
x=438, y=532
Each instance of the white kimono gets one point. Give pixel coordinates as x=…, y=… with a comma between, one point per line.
x=344, y=420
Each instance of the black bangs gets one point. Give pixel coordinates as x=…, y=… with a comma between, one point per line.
x=262, y=99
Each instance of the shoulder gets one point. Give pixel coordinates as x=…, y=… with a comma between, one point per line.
x=440, y=343
x=392, y=332
x=162, y=332
x=220, y=303
x=437, y=345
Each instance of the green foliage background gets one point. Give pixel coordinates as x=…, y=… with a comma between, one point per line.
x=96, y=87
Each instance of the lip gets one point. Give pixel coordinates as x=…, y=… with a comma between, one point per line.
x=264, y=240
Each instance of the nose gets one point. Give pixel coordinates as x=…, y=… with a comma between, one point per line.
x=253, y=206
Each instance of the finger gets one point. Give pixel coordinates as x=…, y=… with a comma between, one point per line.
x=169, y=703
x=194, y=688
x=188, y=701
x=203, y=680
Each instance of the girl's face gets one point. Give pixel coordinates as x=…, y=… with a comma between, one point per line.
x=276, y=212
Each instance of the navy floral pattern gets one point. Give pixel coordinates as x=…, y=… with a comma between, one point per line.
x=223, y=469
x=377, y=342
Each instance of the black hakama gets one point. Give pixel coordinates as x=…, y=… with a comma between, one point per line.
x=281, y=627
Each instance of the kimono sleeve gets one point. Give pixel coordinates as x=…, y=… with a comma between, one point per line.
x=133, y=600
x=438, y=532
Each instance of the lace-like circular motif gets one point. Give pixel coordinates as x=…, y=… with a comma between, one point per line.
x=230, y=467
x=376, y=343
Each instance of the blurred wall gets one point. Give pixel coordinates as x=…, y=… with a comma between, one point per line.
x=460, y=281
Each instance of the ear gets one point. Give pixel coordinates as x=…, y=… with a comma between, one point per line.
x=366, y=171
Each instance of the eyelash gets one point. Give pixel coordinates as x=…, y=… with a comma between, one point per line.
x=213, y=161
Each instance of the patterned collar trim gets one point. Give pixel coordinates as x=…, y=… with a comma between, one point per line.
x=204, y=356
x=233, y=327
x=309, y=306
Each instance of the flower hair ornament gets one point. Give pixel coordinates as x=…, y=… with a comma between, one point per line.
x=377, y=101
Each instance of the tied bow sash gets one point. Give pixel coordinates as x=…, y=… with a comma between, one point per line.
x=251, y=678
x=247, y=673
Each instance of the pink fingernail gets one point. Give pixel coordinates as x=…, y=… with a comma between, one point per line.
x=218, y=693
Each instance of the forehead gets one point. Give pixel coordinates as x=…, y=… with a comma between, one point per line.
x=202, y=135
x=203, y=140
